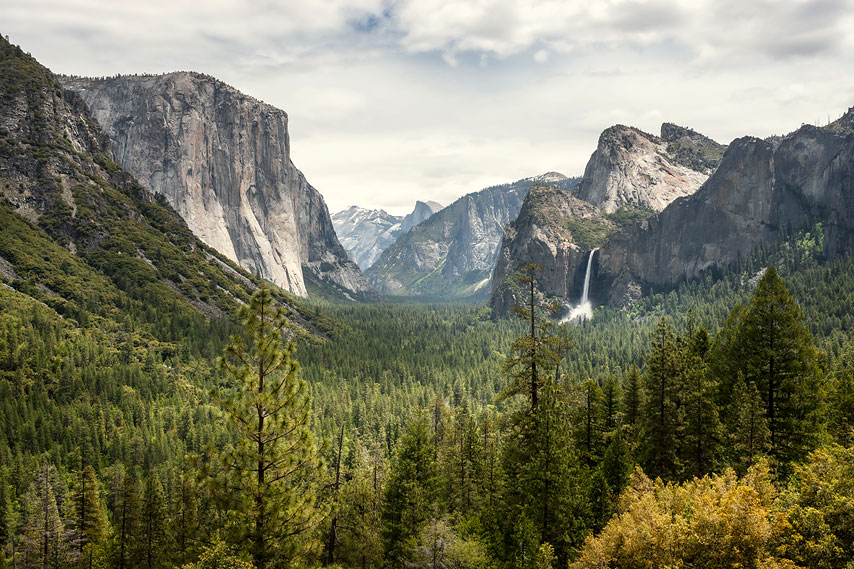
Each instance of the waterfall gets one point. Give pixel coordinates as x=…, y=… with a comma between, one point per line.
x=587, y=277
x=583, y=310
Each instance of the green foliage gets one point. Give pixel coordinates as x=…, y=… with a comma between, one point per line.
x=217, y=556
x=410, y=493
x=267, y=478
x=717, y=521
x=663, y=376
x=628, y=215
x=774, y=350
x=819, y=507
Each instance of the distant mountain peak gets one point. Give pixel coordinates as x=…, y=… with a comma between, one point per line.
x=452, y=254
x=632, y=168
x=548, y=178
x=366, y=233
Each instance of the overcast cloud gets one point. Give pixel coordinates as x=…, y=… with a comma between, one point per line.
x=393, y=101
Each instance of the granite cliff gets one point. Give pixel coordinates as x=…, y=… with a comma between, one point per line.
x=81, y=235
x=452, y=254
x=630, y=176
x=554, y=229
x=366, y=233
x=761, y=189
x=631, y=168
x=222, y=160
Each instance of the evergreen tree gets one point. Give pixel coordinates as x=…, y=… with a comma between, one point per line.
x=781, y=359
x=410, y=493
x=632, y=400
x=185, y=516
x=537, y=353
x=544, y=478
x=361, y=507
x=44, y=541
x=700, y=434
x=6, y=529
x=269, y=476
x=89, y=517
x=127, y=522
x=660, y=414
x=748, y=428
x=841, y=399
x=154, y=521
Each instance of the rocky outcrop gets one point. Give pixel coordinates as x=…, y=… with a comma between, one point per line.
x=552, y=230
x=630, y=176
x=222, y=160
x=760, y=189
x=421, y=212
x=631, y=168
x=82, y=235
x=366, y=233
x=452, y=254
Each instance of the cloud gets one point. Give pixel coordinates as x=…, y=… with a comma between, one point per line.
x=395, y=100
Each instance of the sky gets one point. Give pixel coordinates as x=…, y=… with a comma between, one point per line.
x=390, y=101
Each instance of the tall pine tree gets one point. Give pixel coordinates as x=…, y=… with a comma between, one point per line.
x=269, y=476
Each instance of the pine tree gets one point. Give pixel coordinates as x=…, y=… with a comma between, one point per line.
x=185, y=516
x=5, y=512
x=410, y=492
x=154, y=521
x=128, y=551
x=361, y=507
x=632, y=400
x=841, y=399
x=269, y=476
x=748, y=428
x=700, y=434
x=89, y=516
x=541, y=499
x=544, y=477
x=537, y=353
x=781, y=359
x=44, y=542
x=660, y=421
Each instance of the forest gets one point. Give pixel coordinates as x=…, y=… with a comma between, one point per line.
x=708, y=426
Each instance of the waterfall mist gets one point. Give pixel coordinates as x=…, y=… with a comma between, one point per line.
x=584, y=309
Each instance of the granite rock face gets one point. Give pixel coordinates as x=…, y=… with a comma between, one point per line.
x=630, y=176
x=366, y=233
x=222, y=160
x=760, y=189
x=635, y=169
x=547, y=231
x=421, y=212
x=452, y=254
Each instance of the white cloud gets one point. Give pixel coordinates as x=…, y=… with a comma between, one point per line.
x=396, y=100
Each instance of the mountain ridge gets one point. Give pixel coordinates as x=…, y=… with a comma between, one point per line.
x=366, y=233
x=452, y=254
x=222, y=159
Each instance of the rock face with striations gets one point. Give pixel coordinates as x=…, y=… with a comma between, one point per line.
x=553, y=229
x=452, y=254
x=760, y=189
x=222, y=160
x=631, y=168
x=366, y=233
x=630, y=176
x=421, y=212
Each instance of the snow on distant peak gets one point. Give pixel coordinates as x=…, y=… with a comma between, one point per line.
x=549, y=177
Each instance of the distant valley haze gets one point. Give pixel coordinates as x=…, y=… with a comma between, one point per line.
x=393, y=102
